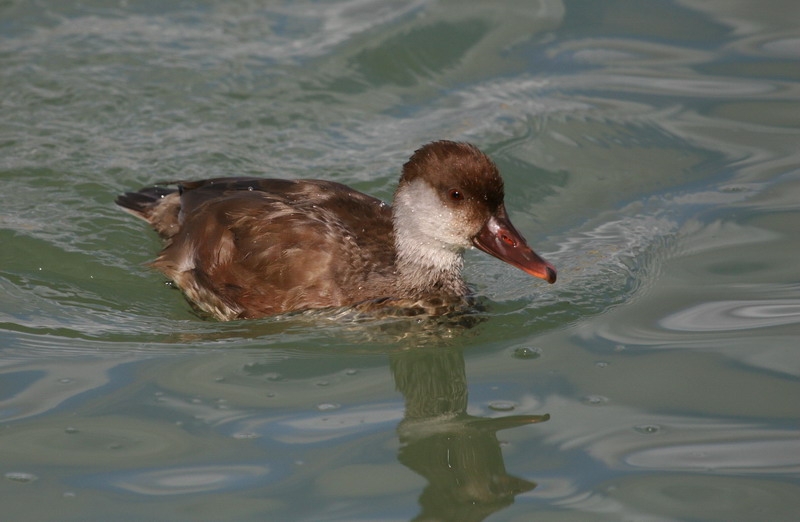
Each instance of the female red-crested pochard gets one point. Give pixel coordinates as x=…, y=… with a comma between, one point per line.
x=249, y=247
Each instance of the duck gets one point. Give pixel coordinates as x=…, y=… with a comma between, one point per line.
x=249, y=247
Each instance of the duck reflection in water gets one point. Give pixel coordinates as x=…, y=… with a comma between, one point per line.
x=457, y=453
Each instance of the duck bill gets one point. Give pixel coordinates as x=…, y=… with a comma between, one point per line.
x=499, y=238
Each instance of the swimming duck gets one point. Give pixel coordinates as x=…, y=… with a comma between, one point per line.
x=250, y=247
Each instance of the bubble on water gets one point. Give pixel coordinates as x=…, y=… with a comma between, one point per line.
x=21, y=477
x=71, y=430
x=594, y=400
x=245, y=435
x=322, y=383
x=527, y=353
x=350, y=371
x=69, y=494
x=65, y=380
x=647, y=429
x=502, y=405
x=735, y=188
x=328, y=406
x=601, y=364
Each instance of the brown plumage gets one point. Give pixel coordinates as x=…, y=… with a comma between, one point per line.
x=250, y=247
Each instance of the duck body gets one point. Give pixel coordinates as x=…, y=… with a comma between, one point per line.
x=251, y=247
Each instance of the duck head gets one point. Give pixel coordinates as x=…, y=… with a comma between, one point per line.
x=450, y=198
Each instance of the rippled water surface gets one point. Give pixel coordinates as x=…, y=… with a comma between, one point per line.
x=651, y=150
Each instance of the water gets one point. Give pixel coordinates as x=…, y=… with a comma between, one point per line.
x=650, y=150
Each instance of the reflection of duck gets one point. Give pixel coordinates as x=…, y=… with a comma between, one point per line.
x=457, y=453
x=248, y=247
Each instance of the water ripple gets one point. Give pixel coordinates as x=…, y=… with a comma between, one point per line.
x=729, y=315
x=179, y=481
x=753, y=455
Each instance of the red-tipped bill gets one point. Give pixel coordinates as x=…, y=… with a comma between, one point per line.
x=499, y=238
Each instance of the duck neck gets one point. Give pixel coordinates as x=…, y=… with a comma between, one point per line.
x=425, y=269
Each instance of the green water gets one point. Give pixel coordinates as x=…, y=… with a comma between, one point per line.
x=651, y=151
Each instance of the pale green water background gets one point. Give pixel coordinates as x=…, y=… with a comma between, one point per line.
x=651, y=150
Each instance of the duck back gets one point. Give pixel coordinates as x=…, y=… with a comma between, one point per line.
x=249, y=247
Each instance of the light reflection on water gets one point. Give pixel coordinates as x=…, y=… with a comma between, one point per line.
x=764, y=452
x=181, y=481
x=652, y=156
x=734, y=315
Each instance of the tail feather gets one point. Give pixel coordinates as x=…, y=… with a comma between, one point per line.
x=153, y=205
x=143, y=202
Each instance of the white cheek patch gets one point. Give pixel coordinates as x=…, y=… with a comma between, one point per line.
x=420, y=213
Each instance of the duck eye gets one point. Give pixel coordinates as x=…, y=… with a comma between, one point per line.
x=456, y=195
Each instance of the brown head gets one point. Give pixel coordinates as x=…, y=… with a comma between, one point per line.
x=450, y=197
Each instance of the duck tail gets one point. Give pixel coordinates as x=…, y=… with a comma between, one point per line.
x=154, y=205
x=142, y=202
